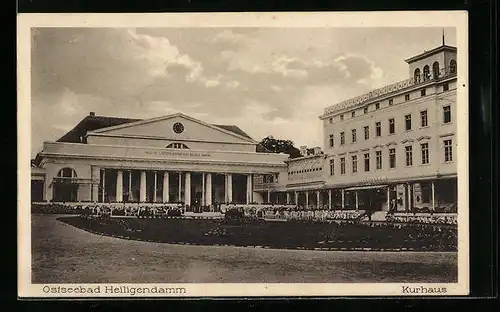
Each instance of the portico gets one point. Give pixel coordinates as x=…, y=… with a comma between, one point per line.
x=191, y=188
x=170, y=159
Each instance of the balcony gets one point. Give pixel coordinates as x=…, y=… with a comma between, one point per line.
x=444, y=73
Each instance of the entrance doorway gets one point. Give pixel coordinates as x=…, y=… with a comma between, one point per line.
x=65, y=192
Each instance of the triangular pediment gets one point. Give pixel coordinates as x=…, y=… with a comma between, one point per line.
x=176, y=127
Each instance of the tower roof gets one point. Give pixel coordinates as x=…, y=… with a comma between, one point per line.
x=431, y=52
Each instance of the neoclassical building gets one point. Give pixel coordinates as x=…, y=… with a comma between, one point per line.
x=170, y=159
x=392, y=148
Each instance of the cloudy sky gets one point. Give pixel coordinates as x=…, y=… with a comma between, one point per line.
x=268, y=81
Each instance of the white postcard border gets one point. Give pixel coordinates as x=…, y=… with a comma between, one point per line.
x=458, y=19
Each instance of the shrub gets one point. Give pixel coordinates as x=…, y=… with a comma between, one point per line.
x=234, y=214
x=174, y=212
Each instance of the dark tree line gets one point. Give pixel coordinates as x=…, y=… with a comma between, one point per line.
x=280, y=146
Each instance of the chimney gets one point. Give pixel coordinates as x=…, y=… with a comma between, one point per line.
x=303, y=150
x=92, y=114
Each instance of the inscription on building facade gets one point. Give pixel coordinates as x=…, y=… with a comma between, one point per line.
x=178, y=153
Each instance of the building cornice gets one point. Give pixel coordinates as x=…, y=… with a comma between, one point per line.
x=163, y=160
x=381, y=94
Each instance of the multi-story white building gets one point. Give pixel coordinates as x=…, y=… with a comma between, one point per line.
x=391, y=148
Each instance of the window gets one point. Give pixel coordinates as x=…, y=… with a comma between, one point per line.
x=367, y=162
x=453, y=67
x=392, y=126
x=342, y=138
x=446, y=87
x=367, y=132
x=66, y=173
x=377, y=105
x=435, y=70
x=407, y=96
x=392, y=158
x=422, y=92
x=378, y=158
x=426, y=73
x=448, y=153
x=447, y=114
x=408, y=122
x=177, y=145
x=423, y=118
x=409, y=155
x=391, y=102
x=331, y=140
x=353, y=132
x=332, y=166
x=378, y=129
x=416, y=75
x=353, y=114
x=365, y=110
x=342, y=165
x=342, y=117
x=425, y=153
x=331, y=120
x=354, y=164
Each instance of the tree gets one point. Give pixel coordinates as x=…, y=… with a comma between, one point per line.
x=280, y=146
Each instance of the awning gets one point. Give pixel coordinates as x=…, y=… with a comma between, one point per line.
x=370, y=187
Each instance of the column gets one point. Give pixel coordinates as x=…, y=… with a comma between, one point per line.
x=229, y=179
x=249, y=188
x=388, y=198
x=208, y=185
x=317, y=199
x=166, y=187
x=142, y=197
x=180, y=186
x=130, y=185
x=119, y=186
x=103, y=185
x=343, y=198
x=307, y=199
x=357, y=202
x=409, y=197
x=155, y=187
x=330, y=199
x=296, y=198
x=433, y=194
x=268, y=196
x=287, y=198
x=187, y=189
x=203, y=189
x=95, y=185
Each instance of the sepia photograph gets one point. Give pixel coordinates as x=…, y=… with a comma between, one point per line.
x=243, y=154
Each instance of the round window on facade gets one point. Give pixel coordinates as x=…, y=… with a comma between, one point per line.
x=178, y=127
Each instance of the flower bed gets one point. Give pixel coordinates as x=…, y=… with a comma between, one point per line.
x=301, y=234
x=423, y=218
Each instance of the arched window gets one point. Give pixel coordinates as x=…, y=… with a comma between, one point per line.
x=435, y=70
x=416, y=75
x=66, y=173
x=177, y=145
x=453, y=67
x=426, y=73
